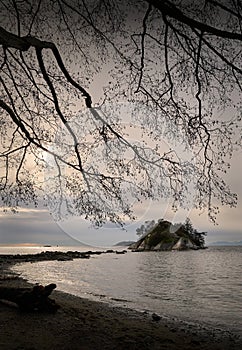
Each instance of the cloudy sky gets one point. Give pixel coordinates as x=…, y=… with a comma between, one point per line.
x=38, y=226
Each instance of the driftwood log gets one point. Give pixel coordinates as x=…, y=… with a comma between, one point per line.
x=31, y=299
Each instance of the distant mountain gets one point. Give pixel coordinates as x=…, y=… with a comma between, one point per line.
x=226, y=243
x=124, y=243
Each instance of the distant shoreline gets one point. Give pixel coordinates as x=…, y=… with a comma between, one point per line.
x=83, y=324
x=225, y=244
x=42, y=246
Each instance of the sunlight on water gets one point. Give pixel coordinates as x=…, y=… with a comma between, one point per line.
x=203, y=286
x=38, y=249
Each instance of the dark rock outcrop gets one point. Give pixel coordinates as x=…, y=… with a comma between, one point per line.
x=48, y=256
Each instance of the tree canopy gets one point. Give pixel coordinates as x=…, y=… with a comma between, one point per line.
x=177, y=66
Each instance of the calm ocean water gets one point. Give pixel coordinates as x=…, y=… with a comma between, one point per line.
x=200, y=286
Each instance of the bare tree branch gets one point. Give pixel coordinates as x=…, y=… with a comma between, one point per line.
x=182, y=71
x=169, y=9
x=142, y=58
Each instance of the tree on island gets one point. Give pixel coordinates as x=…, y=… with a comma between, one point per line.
x=146, y=227
x=197, y=237
x=179, y=60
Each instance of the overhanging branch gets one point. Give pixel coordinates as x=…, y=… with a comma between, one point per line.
x=167, y=8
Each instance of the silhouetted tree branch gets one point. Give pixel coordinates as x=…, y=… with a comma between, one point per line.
x=167, y=59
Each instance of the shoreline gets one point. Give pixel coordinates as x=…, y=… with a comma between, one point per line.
x=89, y=325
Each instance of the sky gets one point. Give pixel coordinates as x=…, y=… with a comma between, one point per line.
x=37, y=226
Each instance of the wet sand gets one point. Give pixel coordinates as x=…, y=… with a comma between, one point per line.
x=88, y=325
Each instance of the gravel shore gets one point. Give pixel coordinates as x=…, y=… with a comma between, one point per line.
x=87, y=325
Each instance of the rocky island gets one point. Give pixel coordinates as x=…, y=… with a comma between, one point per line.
x=166, y=236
